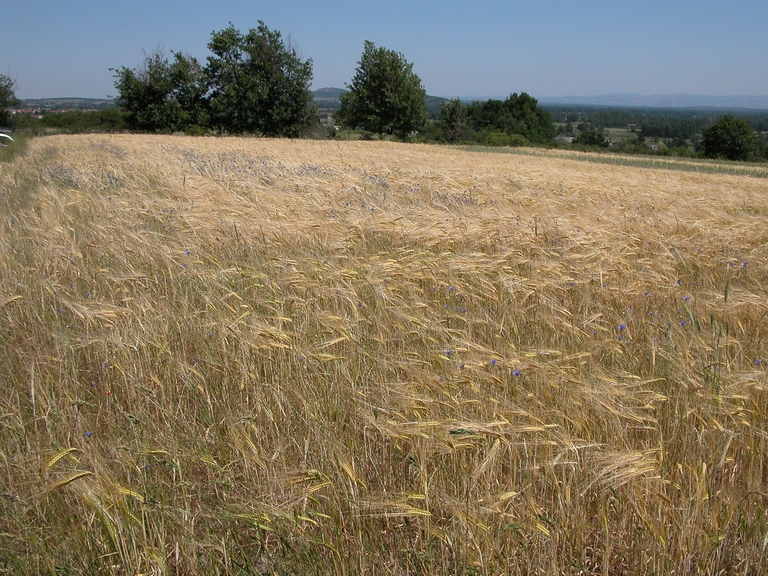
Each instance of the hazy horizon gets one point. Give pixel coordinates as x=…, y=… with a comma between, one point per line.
x=552, y=49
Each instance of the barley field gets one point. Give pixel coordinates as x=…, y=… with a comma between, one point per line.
x=253, y=356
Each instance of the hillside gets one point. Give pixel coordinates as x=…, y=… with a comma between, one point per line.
x=256, y=356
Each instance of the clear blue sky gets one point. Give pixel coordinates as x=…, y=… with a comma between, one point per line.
x=458, y=48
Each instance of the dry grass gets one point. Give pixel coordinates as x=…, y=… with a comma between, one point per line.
x=243, y=356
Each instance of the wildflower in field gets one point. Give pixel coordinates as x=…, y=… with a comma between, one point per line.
x=758, y=362
x=679, y=282
x=686, y=298
x=516, y=373
x=744, y=264
x=493, y=362
x=622, y=327
x=88, y=434
x=187, y=252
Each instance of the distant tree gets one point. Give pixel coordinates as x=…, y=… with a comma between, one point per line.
x=7, y=99
x=730, y=138
x=162, y=96
x=677, y=142
x=385, y=96
x=451, y=118
x=258, y=84
x=518, y=114
x=591, y=138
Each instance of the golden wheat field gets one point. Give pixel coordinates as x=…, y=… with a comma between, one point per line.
x=253, y=356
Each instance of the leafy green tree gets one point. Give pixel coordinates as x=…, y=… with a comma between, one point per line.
x=452, y=119
x=7, y=99
x=730, y=138
x=162, y=96
x=385, y=96
x=251, y=83
x=518, y=114
x=258, y=84
x=591, y=138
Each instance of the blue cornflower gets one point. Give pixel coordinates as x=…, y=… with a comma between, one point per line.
x=686, y=298
x=493, y=361
x=622, y=327
x=88, y=434
x=516, y=373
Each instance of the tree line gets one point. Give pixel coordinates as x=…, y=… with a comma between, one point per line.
x=256, y=83
x=658, y=123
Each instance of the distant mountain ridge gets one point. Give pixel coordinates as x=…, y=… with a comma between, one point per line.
x=662, y=101
x=329, y=98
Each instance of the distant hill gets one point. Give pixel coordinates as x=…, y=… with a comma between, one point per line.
x=328, y=93
x=328, y=98
x=662, y=101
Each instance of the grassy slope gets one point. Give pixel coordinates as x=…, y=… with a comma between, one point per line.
x=260, y=356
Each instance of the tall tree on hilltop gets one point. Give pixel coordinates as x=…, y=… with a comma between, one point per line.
x=258, y=84
x=385, y=96
x=162, y=96
x=252, y=83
